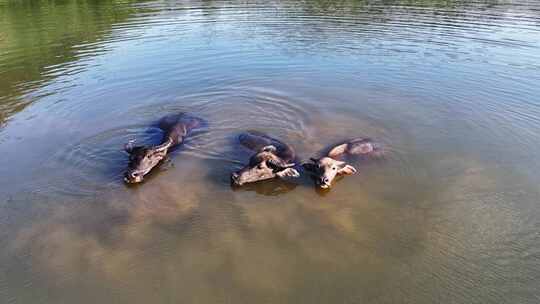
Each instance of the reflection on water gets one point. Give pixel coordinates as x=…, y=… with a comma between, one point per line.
x=39, y=39
x=447, y=87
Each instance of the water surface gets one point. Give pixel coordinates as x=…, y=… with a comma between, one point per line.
x=449, y=88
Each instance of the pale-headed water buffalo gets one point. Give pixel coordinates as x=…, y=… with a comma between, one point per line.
x=326, y=168
x=143, y=158
x=272, y=158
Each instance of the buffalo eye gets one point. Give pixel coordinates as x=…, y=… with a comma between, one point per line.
x=334, y=168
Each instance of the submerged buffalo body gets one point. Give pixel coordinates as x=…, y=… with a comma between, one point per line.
x=142, y=159
x=272, y=158
x=326, y=168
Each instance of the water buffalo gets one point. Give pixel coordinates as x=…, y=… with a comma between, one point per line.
x=142, y=159
x=326, y=168
x=272, y=159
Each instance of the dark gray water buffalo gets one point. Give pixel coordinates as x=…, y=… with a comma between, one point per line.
x=142, y=159
x=326, y=168
x=272, y=159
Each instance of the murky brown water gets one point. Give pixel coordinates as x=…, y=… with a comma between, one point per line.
x=449, y=88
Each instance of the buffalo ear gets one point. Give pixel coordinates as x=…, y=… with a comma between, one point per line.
x=129, y=146
x=289, y=165
x=346, y=170
x=289, y=172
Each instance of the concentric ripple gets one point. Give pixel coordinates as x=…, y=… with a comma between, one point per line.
x=96, y=163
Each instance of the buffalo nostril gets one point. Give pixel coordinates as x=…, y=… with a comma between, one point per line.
x=326, y=180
